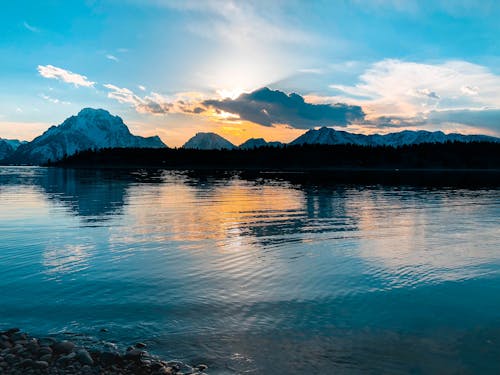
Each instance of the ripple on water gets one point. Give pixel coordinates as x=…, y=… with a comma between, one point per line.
x=254, y=274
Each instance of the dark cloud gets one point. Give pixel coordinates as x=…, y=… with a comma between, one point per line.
x=482, y=118
x=269, y=107
x=396, y=122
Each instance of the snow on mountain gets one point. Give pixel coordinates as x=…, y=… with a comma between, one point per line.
x=208, y=141
x=258, y=142
x=6, y=149
x=90, y=129
x=14, y=143
x=329, y=136
x=8, y=146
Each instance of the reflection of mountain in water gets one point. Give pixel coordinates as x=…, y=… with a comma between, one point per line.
x=92, y=194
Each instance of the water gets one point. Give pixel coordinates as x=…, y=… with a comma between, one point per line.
x=261, y=274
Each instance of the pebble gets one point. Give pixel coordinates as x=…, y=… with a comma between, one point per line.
x=25, y=355
x=64, y=347
x=84, y=357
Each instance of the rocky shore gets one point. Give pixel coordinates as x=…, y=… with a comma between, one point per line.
x=22, y=354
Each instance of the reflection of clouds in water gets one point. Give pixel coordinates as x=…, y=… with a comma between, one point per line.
x=234, y=213
x=406, y=243
x=221, y=214
x=60, y=259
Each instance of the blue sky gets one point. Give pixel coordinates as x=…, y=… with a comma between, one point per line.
x=174, y=68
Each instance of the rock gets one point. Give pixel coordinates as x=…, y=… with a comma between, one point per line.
x=140, y=345
x=46, y=341
x=202, y=367
x=135, y=354
x=63, y=347
x=46, y=357
x=84, y=357
x=32, y=345
x=11, y=331
x=86, y=369
x=26, y=363
x=109, y=358
x=10, y=358
x=18, y=336
x=40, y=364
x=45, y=350
x=164, y=371
x=67, y=358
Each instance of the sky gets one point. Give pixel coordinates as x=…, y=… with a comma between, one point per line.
x=243, y=69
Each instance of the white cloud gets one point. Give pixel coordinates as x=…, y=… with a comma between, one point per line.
x=395, y=87
x=53, y=100
x=141, y=87
x=241, y=21
x=122, y=95
x=31, y=28
x=155, y=103
x=50, y=71
x=111, y=57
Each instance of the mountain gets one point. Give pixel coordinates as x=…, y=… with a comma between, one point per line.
x=329, y=136
x=6, y=149
x=258, y=142
x=14, y=143
x=8, y=146
x=90, y=129
x=208, y=141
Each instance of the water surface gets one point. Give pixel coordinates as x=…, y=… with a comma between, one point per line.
x=256, y=274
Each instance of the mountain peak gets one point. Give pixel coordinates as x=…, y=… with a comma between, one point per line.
x=89, y=129
x=208, y=141
x=86, y=112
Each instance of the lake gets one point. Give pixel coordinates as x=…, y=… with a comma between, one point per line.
x=252, y=274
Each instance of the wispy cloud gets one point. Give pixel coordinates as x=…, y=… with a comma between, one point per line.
x=141, y=87
x=53, y=72
x=112, y=57
x=241, y=21
x=53, y=100
x=156, y=103
x=31, y=28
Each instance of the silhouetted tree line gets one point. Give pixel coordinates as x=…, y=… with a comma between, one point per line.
x=451, y=155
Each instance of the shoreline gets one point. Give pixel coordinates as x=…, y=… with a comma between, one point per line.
x=21, y=353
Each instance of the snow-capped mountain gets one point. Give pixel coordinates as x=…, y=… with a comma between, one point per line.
x=258, y=142
x=90, y=129
x=14, y=143
x=8, y=146
x=329, y=136
x=208, y=141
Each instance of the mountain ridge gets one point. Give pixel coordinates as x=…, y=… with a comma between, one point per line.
x=208, y=141
x=89, y=129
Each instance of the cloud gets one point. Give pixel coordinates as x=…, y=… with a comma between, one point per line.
x=270, y=107
x=395, y=87
x=482, y=118
x=141, y=87
x=111, y=57
x=50, y=71
x=53, y=100
x=122, y=95
x=240, y=21
x=155, y=103
x=31, y=28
